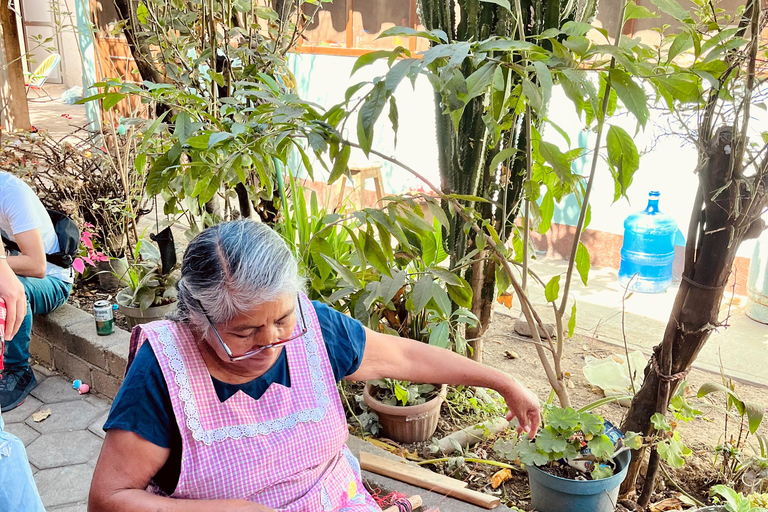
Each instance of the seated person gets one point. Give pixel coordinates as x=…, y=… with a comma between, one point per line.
x=233, y=405
x=24, y=221
x=18, y=491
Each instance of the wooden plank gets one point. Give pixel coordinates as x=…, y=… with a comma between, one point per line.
x=427, y=480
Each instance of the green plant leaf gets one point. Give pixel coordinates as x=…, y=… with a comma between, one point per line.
x=401, y=393
x=142, y=13
x=601, y=471
x=563, y=419
x=552, y=289
x=633, y=440
x=530, y=455
x=634, y=11
x=623, y=159
x=572, y=321
x=369, y=58
x=591, y=423
x=582, y=262
x=340, y=164
x=369, y=114
x=374, y=254
x=601, y=447
x=682, y=42
x=460, y=294
x=439, y=336
x=549, y=440
x=479, y=81
x=557, y=159
x=434, y=36
x=754, y=412
x=533, y=93
x=631, y=95
x=502, y=156
x=183, y=126
x=344, y=272
x=112, y=99
x=547, y=209
x=672, y=8
x=674, y=451
x=199, y=141
x=218, y=137
x=660, y=423
x=501, y=3
x=422, y=292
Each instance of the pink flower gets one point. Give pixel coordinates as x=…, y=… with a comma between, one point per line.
x=86, y=241
x=89, y=261
x=100, y=256
x=78, y=265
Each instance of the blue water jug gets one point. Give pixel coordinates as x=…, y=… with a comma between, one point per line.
x=648, y=250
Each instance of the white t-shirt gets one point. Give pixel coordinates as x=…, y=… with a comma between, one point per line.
x=20, y=211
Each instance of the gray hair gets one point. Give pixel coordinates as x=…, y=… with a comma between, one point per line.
x=231, y=268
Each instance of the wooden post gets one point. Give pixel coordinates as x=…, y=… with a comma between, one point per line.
x=14, y=113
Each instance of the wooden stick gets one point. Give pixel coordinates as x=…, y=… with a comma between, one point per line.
x=415, y=502
x=426, y=479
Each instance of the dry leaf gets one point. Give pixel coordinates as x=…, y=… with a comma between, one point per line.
x=511, y=354
x=667, y=504
x=499, y=477
x=506, y=300
x=41, y=415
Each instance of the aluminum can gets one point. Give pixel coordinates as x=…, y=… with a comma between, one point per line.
x=105, y=321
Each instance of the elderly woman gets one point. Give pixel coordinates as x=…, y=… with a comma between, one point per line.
x=232, y=406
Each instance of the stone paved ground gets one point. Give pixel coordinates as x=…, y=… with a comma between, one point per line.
x=63, y=448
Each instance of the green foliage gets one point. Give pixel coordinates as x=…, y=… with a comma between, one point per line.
x=400, y=392
x=230, y=116
x=561, y=438
x=733, y=501
x=144, y=283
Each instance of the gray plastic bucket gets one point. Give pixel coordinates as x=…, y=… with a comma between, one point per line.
x=551, y=493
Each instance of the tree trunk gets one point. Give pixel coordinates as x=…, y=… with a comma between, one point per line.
x=714, y=237
x=14, y=112
x=139, y=47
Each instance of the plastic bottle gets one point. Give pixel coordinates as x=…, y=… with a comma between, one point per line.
x=648, y=250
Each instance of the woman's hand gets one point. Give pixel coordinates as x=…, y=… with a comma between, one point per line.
x=523, y=405
x=12, y=292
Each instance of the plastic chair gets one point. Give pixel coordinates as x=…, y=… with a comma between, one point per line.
x=36, y=80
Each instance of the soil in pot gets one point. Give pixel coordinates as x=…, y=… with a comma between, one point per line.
x=406, y=424
x=550, y=493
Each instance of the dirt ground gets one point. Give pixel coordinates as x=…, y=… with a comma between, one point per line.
x=701, y=434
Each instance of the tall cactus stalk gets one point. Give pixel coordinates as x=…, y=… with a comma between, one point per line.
x=466, y=151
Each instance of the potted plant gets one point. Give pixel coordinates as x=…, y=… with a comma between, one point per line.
x=408, y=413
x=731, y=501
x=149, y=292
x=573, y=464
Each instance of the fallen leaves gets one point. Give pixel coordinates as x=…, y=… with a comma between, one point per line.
x=41, y=415
x=506, y=299
x=500, y=477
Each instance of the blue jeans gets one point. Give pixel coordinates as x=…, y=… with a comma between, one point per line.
x=43, y=296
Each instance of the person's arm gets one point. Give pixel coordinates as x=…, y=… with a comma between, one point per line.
x=31, y=261
x=12, y=292
x=126, y=464
x=404, y=359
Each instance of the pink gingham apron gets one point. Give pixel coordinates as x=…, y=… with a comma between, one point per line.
x=285, y=450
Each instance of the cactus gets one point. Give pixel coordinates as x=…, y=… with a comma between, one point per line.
x=465, y=153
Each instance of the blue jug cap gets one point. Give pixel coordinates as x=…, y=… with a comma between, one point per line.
x=654, y=194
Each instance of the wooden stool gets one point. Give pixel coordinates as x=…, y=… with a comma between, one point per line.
x=360, y=173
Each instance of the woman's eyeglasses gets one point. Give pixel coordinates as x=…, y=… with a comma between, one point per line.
x=279, y=343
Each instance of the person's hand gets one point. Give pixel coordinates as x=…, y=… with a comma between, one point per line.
x=12, y=292
x=523, y=405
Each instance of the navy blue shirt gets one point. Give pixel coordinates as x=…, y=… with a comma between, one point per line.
x=143, y=404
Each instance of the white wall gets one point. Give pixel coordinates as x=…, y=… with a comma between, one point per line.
x=667, y=162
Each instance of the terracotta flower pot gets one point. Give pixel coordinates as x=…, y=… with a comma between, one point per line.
x=406, y=424
x=136, y=316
